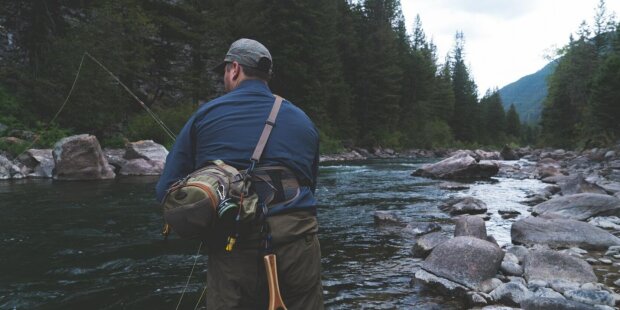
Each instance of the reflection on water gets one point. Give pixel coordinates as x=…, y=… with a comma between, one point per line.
x=97, y=245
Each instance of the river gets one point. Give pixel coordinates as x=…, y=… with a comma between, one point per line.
x=97, y=245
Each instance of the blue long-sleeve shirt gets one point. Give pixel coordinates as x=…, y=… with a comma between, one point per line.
x=228, y=128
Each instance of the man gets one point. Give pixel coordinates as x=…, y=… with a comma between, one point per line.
x=228, y=128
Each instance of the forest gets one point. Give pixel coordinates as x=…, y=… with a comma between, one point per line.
x=352, y=66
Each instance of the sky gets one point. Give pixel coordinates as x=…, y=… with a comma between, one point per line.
x=504, y=39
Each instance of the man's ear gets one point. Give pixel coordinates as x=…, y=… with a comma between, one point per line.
x=236, y=70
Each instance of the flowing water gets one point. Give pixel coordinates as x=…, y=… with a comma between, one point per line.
x=97, y=245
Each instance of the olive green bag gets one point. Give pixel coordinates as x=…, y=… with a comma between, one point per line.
x=214, y=196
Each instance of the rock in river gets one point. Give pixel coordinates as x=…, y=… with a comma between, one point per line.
x=465, y=260
x=38, y=163
x=580, y=206
x=546, y=303
x=561, y=233
x=463, y=205
x=459, y=166
x=549, y=266
x=80, y=158
x=470, y=226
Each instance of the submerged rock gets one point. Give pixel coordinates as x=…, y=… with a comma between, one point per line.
x=421, y=228
x=580, y=206
x=388, y=218
x=465, y=260
x=460, y=166
x=561, y=233
x=550, y=266
x=80, y=158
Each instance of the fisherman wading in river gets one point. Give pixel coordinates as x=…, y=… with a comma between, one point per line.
x=268, y=148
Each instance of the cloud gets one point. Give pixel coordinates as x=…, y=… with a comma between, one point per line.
x=504, y=9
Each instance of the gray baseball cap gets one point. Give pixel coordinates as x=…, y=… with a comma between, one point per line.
x=249, y=53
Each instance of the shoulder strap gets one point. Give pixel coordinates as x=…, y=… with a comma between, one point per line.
x=264, y=136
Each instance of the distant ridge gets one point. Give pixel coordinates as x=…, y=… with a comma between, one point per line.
x=528, y=93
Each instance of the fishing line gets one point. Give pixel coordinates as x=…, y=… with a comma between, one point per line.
x=148, y=110
x=190, y=276
x=77, y=75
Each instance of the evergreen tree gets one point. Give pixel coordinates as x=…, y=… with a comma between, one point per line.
x=513, y=124
x=465, y=95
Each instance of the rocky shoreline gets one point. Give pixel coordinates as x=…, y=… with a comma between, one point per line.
x=564, y=254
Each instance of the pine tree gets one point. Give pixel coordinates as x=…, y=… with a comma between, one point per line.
x=513, y=124
x=465, y=95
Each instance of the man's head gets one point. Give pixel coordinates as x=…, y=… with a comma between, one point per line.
x=246, y=59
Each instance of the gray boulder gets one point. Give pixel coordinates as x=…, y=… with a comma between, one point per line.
x=80, y=158
x=426, y=243
x=592, y=297
x=146, y=149
x=38, y=163
x=552, y=266
x=460, y=166
x=577, y=184
x=546, y=293
x=144, y=158
x=465, y=260
x=489, y=285
x=470, y=226
x=511, y=294
x=546, y=303
x=463, y=205
x=561, y=233
x=580, y=206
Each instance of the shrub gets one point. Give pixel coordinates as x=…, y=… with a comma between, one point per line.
x=143, y=126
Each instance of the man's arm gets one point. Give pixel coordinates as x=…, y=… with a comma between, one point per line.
x=180, y=160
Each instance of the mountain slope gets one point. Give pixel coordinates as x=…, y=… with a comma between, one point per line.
x=528, y=93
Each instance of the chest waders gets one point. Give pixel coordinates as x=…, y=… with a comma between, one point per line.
x=269, y=258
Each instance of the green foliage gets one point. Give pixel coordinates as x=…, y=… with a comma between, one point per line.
x=143, y=126
x=50, y=134
x=329, y=145
x=10, y=110
x=14, y=148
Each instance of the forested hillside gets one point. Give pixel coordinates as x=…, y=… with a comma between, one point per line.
x=583, y=105
x=528, y=93
x=352, y=66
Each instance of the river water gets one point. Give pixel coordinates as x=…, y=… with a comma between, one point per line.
x=97, y=245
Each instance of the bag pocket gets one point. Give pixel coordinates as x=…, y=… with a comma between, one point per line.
x=192, y=221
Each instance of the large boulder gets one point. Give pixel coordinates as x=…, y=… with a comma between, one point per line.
x=443, y=285
x=576, y=184
x=549, y=265
x=460, y=166
x=464, y=260
x=80, y=158
x=144, y=157
x=548, y=167
x=463, y=205
x=580, y=206
x=38, y=163
x=561, y=233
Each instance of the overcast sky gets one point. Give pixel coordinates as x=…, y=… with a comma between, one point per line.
x=504, y=39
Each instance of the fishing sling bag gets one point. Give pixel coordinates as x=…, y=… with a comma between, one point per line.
x=216, y=196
